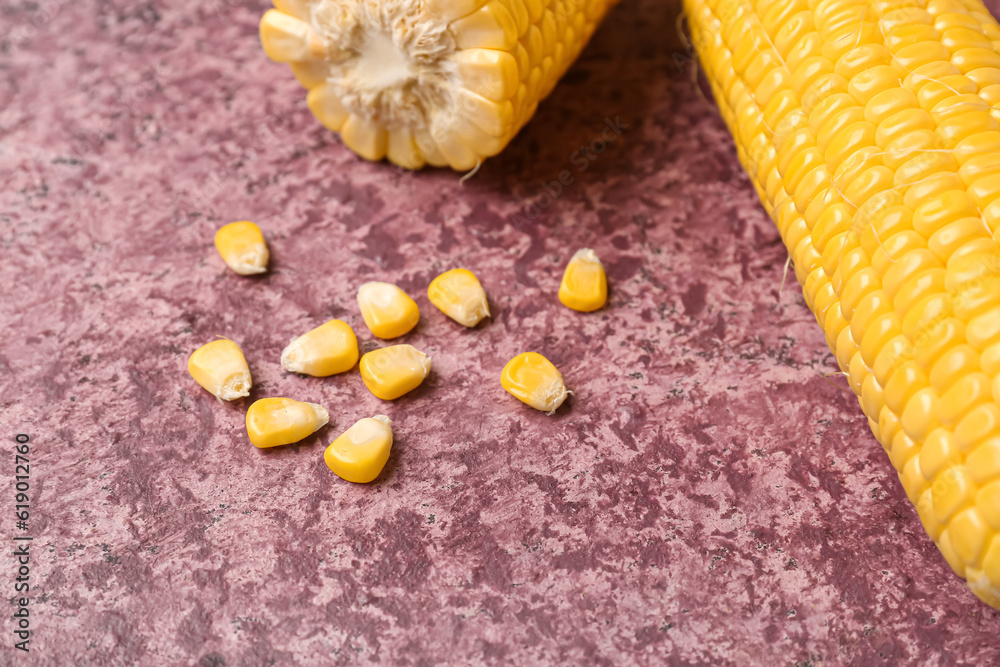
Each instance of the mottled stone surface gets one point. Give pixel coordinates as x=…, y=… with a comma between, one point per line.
x=706, y=496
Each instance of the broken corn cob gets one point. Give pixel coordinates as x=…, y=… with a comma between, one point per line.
x=328, y=349
x=439, y=82
x=242, y=247
x=388, y=311
x=533, y=379
x=392, y=371
x=221, y=368
x=584, y=284
x=359, y=454
x=282, y=421
x=460, y=296
x=870, y=130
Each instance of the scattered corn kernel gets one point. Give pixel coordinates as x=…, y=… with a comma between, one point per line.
x=360, y=453
x=242, y=247
x=460, y=296
x=387, y=310
x=221, y=368
x=584, y=284
x=533, y=379
x=282, y=421
x=328, y=349
x=392, y=371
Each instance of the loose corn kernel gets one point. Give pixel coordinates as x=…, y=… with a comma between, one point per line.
x=388, y=311
x=392, y=371
x=328, y=349
x=242, y=247
x=584, y=284
x=359, y=453
x=533, y=379
x=282, y=421
x=221, y=368
x=460, y=296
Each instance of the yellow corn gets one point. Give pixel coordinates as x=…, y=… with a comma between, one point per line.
x=460, y=296
x=388, y=311
x=392, y=371
x=439, y=82
x=533, y=379
x=242, y=247
x=221, y=368
x=328, y=349
x=870, y=130
x=359, y=454
x=282, y=421
x=584, y=284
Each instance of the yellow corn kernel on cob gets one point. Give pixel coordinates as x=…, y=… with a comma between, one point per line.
x=359, y=453
x=533, y=379
x=221, y=369
x=282, y=421
x=388, y=311
x=243, y=247
x=439, y=82
x=584, y=285
x=460, y=296
x=870, y=130
x=328, y=349
x=392, y=371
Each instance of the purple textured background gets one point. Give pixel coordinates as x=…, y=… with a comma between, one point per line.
x=706, y=496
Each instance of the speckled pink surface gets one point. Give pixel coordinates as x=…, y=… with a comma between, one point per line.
x=707, y=496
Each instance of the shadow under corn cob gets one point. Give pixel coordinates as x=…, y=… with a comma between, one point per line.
x=439, y=82
x=870, y=132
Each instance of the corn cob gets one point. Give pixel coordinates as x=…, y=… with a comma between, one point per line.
x=439, y=82
x=870, y=131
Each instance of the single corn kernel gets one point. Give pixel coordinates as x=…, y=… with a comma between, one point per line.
x=360, y=453
x=387, y=310
x=460, y=296
x=328, y=349
x=221, y=368
x=533, y=379
x=243, y=248
x=282, y=421
x=584, y=284
x=392, y=371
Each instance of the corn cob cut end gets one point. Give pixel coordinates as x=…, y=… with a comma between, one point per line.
x=418, y=82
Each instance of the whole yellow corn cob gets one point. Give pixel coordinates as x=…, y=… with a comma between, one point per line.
x=440, y=82
x=870, y=131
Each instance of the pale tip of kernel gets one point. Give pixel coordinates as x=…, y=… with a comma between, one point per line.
x=586, y=255
x=425, y=361
x=252, y=262
x=322, y=415
x=556, y=397
x=377, y=292
x=384, y=419
x=235, y=386
x=291, y=360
